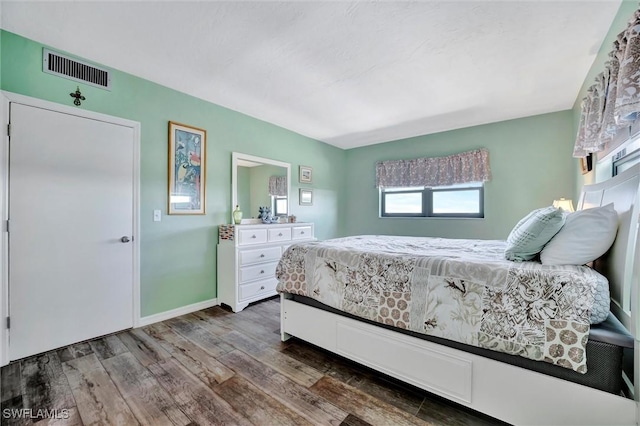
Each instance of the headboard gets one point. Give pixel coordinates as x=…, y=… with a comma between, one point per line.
x=620, y=264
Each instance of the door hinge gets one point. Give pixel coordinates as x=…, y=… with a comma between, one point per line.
x=7, y=226
x=9, y=129
x=8, y=322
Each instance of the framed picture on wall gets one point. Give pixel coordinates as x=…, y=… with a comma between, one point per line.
x=306, y=197
x=187, y=169
x=306, y=174
x=586, y=164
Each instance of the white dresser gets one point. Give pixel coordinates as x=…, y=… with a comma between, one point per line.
x=248, y=256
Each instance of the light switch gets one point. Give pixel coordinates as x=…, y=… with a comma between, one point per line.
x=157, y=215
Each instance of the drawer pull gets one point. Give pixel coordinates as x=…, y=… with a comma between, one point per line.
x=262, y=272
x=262, y=255
x=262, y=288
x=253, y=236
x=280, y=234
x=301, y=232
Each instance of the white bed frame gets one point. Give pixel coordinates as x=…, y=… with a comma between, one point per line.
x=506, y=392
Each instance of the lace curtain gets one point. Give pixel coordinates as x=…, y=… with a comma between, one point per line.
x=278, y=186
x=613, y=101
x=466, y=167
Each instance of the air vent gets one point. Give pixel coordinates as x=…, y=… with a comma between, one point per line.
x=73, y=69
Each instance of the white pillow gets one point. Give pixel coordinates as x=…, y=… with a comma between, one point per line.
x=585, y=236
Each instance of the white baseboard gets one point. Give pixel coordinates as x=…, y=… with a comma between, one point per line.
x=183, y=310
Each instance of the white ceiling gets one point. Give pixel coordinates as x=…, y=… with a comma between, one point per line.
x=346, y=73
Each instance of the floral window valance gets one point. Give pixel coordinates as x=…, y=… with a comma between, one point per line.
x=466, y=167
x=278, y=186
x=613, y=101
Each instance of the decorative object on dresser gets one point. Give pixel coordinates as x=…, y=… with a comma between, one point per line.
x=237, y=215
x=187, y=164
x=264, y=214
x=247, y=260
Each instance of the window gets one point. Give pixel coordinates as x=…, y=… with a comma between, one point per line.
x=466, y=200
x=280, y=205
x=624, y=161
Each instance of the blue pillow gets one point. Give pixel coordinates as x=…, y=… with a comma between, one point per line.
x=532, y=232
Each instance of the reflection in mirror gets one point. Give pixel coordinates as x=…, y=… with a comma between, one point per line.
x=260, y=182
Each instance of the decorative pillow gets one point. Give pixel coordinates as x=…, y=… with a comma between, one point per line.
x=601, y=302
x=533, y=231
x=586, y=235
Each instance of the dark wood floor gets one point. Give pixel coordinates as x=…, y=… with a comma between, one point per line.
x=212, y=367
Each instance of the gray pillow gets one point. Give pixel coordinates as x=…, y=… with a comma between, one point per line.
x=533, y=231
x=600, y=309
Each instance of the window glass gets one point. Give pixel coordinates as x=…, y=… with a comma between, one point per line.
x=456, y=201
x=407, y=202
x=466, y=200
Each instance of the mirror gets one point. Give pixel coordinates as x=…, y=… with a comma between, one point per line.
x=251, y=186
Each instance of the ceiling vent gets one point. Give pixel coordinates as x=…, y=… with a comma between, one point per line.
x=73, y=69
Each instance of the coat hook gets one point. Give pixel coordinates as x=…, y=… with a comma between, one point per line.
x=78, y=97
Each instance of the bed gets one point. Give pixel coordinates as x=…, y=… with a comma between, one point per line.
x=533, y=379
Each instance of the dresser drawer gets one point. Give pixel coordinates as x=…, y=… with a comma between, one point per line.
x=252, y=236
x=302, y=232
x=250, y=273
x=248, y=291
x=280, y=234
x=268, y=254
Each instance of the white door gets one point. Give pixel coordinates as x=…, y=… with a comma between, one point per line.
x=70, y=205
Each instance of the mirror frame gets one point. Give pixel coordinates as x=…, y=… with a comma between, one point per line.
x=235, y=156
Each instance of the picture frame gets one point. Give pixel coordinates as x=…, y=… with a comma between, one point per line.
x=305, y=197
x=586, y=164
x=187, y=169
x=306, y=174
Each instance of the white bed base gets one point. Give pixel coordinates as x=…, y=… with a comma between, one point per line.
x=503, y=391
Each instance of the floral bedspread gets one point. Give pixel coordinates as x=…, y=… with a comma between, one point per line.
x=462, y=290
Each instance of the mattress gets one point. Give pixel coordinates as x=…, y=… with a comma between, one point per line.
x=458, y=290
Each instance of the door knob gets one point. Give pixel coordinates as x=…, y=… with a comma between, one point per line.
x=125, y=239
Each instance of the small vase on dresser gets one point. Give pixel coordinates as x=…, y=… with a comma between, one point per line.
x=248, y=256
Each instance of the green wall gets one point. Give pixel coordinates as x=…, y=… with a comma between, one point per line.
x=625, y=13
x=178, y=254
x=530, y=161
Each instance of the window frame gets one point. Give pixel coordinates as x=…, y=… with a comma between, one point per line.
x=427, y=202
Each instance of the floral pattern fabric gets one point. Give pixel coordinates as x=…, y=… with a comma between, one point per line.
x=466, y=167
x=461, y=290
x=278, y=186
x=612, y=103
